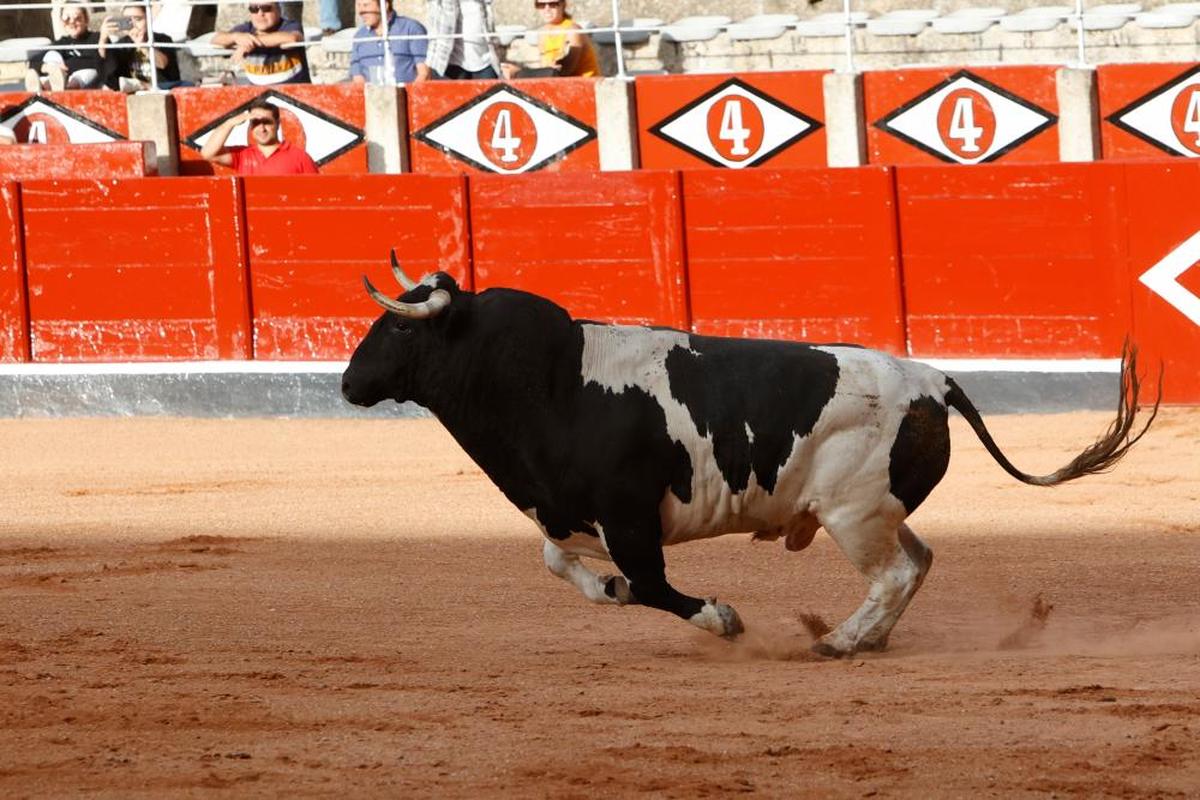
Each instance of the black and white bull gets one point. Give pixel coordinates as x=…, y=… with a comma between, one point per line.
x=617, y=440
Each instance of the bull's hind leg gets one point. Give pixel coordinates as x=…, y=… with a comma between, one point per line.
x=639, y=556
x=597, y=588
x=894, y=562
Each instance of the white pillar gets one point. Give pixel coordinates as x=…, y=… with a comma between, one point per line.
x=152, y=119
x=387, y=128
x=616, y=125
x=845, y=123
x=1078, y=114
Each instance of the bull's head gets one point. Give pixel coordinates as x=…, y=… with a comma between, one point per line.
x=387, y=364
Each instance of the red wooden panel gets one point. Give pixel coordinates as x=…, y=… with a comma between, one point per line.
x=108, y=160
x=136, y=270
x=607, y=246
x=14, y=313
x=75, y=117
x=328, y=121
x=794, y=254
x=1014, y=261
x=1149, y=110
x=312, y=240
x=503, y=127
x=1164, y=248
x=733, y=121
x=973, y=116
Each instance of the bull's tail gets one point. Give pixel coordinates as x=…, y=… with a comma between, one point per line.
x=1101, y=456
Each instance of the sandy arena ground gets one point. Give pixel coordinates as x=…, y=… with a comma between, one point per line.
x=303, y=608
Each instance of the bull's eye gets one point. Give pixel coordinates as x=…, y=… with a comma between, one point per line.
x=400, y=326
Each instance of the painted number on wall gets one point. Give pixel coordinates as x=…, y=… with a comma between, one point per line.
x=1185, y=118
x=966, y=123
x=735, y=128
x=507, y=135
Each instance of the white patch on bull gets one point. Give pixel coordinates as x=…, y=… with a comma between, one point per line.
x=838, y=473
x=579, y=543
x=749, y=434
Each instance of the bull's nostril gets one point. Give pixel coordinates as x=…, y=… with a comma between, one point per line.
x=345, y=388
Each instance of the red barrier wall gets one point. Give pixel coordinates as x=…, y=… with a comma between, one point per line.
x=65, y=117
x=794, y=254
x=733, y=121
x=963, y=116
x=50, y=161
x=1014, y=261
x=327, y=120
x=311, y=241
x=1164, y=251
x=503, y=127
x=606, y=246
x=1149, y=110
x=136, y=270
x=14, y=313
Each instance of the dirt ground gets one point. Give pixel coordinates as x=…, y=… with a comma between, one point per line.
x=304, y=608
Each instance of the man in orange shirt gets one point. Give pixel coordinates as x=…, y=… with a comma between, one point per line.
x=264, y=154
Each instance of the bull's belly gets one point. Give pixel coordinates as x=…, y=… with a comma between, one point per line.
x=721, y=511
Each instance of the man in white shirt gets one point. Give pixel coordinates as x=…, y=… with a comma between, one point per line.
x=471, y=55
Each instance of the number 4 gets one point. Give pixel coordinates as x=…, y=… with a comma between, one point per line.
x=502, y=138
x=733, y=129
x=963, y=127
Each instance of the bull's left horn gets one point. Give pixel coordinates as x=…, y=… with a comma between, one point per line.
x=438, y=300
x=408, y=283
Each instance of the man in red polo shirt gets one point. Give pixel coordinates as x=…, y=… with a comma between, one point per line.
x=265, y=154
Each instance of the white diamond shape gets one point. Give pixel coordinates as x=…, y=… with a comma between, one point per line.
x=781, y=126
x=1162, y=278
x=459, y=133
x=1014, y=121
x=78, y=131
x=322, y=136
x=1152, y=118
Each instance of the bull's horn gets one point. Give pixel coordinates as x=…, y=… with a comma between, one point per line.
x=436, y=304
x=408, y=283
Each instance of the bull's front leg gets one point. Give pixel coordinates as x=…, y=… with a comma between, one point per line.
x=605, y=589
x=638, y=553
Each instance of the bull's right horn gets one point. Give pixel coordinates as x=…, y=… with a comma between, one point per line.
x=408, y=283
x=438, y=300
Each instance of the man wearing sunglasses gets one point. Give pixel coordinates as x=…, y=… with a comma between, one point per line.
x=269, y=48
x=264, y=153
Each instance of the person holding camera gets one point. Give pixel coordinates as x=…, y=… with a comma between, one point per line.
x=265, y=152
x=133, y=63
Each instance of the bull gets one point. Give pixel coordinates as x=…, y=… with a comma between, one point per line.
x=618, y=440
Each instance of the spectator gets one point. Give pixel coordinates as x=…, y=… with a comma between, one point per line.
x=564, y=50
x=265, y=153
x=133, y=64
x=472, y=53
x=259, y=46
x=75, y=67
x=408, y=55
x=329, y=14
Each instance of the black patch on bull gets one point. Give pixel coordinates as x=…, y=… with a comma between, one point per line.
x=921, y=452
x=776, y=389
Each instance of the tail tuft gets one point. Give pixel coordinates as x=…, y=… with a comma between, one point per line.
x=1103, y=454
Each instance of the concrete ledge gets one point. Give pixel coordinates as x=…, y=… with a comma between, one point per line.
x=313, y=389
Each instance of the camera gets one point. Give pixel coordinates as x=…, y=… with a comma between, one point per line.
x=124, y=24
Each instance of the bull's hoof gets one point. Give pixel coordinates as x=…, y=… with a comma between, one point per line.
x=823, y=648
x=720, y=619
x=873, y=647
x=733, y=623
x=616, y=587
